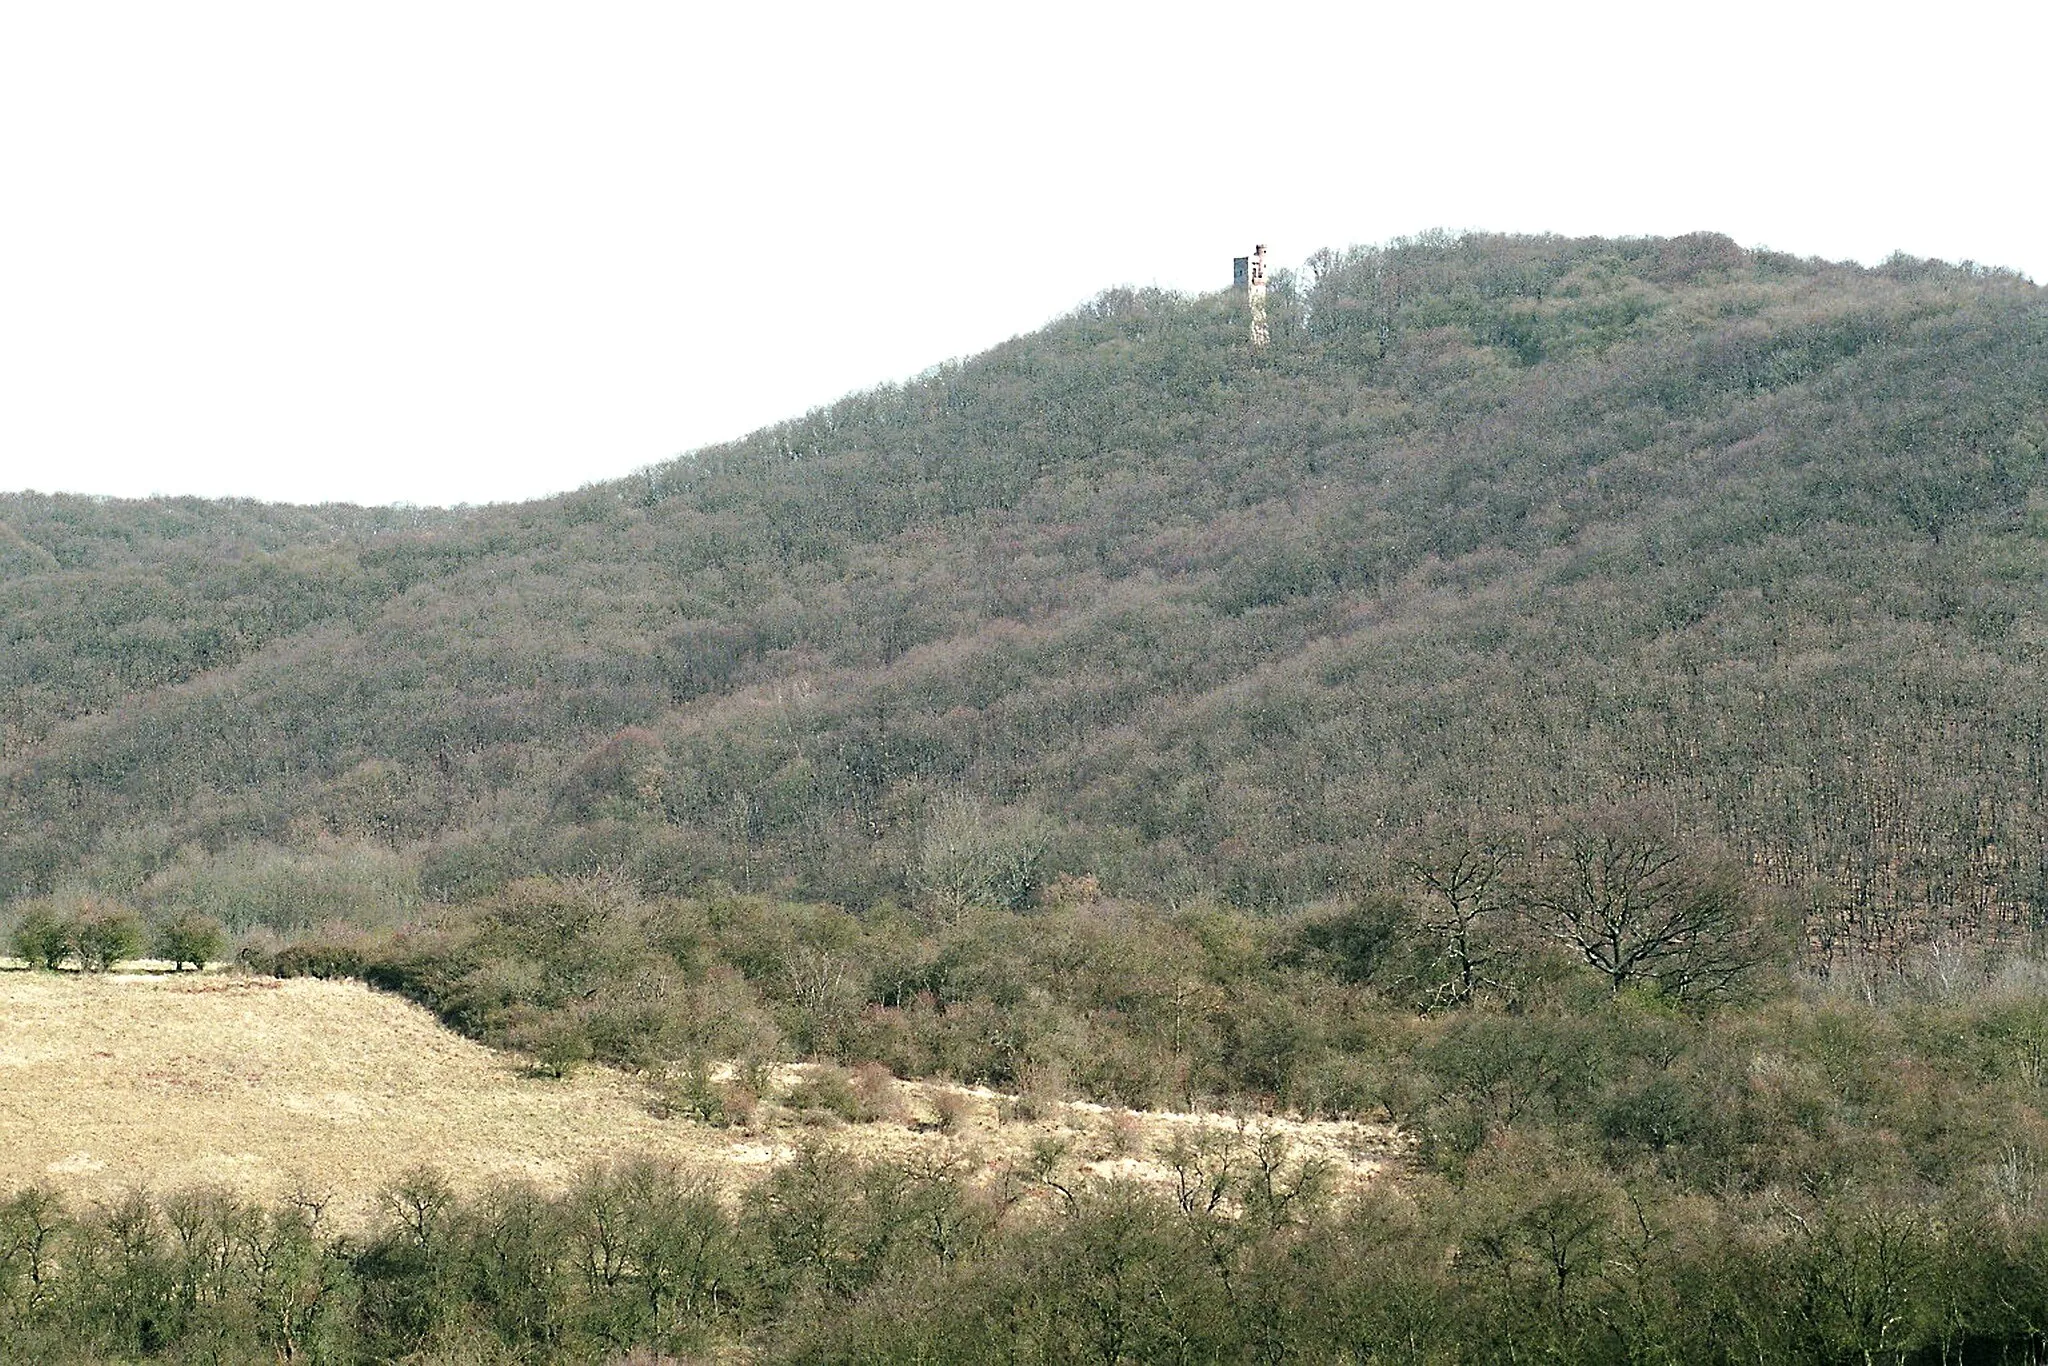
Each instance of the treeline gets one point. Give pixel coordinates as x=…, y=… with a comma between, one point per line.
x=96, y=935
x=1479, y=1000
x=1497, y=524
x=1062, y=989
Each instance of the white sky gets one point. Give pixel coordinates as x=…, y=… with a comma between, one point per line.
x=438, y=252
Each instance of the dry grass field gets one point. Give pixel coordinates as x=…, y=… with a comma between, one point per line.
x=161, y=1080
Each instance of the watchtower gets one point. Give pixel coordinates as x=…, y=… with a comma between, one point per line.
x=1248, y=273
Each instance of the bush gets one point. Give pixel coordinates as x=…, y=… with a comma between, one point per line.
x=190, y=938
x=1351, y=945
x=1122, y=1135
x=950, y=1110
x=825, y=1091
x=335, y=951
x=880, y=1097
x=557, y=1042
x=43, y=936
x=103, y=935
x=690, y=1093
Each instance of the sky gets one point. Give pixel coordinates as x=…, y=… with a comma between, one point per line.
x=435, y=253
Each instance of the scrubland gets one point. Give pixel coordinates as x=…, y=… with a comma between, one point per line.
x=332, y=1090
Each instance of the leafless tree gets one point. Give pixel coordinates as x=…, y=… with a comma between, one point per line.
x=1635, y=907
x=1464, y=878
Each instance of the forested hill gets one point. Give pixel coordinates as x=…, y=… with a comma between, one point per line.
x=1518, y=526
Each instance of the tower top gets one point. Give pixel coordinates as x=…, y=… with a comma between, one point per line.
x=1249, y=271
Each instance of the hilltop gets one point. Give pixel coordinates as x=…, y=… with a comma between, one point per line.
x=1511, y=525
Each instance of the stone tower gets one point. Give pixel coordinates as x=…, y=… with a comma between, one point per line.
x=1248, y=273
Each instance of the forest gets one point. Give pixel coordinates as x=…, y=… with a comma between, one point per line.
x=1580, y=701
x=1496, y=525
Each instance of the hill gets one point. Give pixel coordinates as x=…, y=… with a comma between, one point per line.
x=1576, y=705
x=1513, y=525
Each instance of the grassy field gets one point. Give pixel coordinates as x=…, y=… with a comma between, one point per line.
x=160, y=1080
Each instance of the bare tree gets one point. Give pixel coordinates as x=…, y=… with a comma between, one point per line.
x=969, y=856
x=1631, y=903
x=818, y=988
x=1464, y=878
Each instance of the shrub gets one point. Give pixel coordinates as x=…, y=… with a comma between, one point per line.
x=1041, y=1094
x=740, y=1100
x=950, y=1109
x=335, y=951
x=1653, y=1114
x=43, y=936
x=190, y=937
x=689, y=1093
x=876, y=1090
x=556, y=1042
x=103, y=935
x=1122, y=1135
x=1352, y=945
x=827, y=1091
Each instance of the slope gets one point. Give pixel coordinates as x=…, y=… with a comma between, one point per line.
x=334, y=1091
x=1519, y=525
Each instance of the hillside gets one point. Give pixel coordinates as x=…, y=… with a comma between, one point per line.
x=1511, y=525
x=1569, y=717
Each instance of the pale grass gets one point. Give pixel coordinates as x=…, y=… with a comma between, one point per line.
x=164, y=1081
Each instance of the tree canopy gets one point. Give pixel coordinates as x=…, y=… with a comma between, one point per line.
x=1503, y=525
